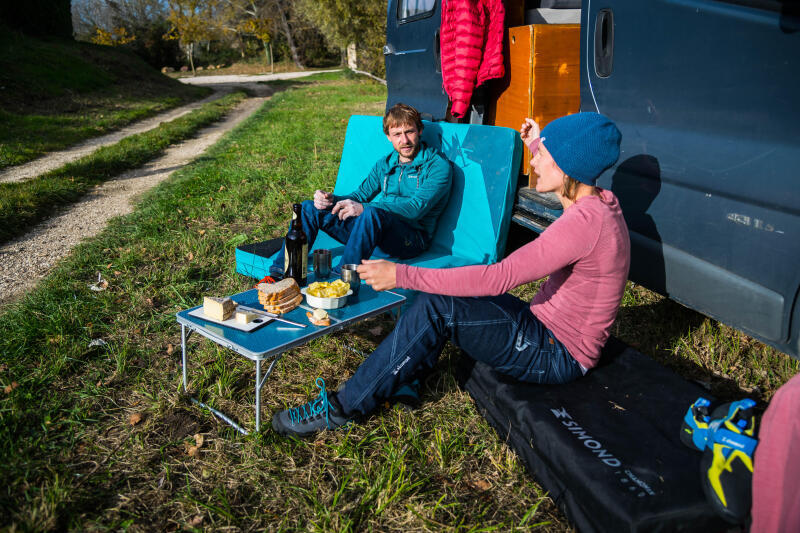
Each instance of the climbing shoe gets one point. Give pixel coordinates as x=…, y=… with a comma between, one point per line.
x=323, y=412
x=727, y=463
x=694, y=428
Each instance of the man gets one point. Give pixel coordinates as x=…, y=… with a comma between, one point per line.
x=396, y=207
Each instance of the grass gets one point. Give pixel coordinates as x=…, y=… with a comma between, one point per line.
x=55, y=93
x=24, y=203
x=72, y=456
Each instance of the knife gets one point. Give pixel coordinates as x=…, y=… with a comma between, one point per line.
x=271, y=315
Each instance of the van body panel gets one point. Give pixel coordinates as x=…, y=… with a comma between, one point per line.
x=705, y=95
x=413, y=66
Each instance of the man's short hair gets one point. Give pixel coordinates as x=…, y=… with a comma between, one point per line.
x=400, y=115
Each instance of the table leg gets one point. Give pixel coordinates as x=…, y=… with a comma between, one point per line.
x=258, y=395
x=183, y=359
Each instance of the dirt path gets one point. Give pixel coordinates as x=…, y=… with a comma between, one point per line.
x=221, y=84
x=29, y=258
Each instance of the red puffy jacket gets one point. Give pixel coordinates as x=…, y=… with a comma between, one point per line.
x=472, y=48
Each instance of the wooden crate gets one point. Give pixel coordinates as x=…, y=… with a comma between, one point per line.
x=542, y=80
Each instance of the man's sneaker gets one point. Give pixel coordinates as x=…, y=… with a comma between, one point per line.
x=727, y=463
x=323, y=412
x=407, y=395
x=694, y=429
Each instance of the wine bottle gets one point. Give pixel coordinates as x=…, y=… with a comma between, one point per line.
x=296, y=259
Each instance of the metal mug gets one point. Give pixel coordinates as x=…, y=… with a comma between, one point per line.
x=350, y=275
x=322, y=263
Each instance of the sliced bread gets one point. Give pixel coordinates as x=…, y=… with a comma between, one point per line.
x=271, y=293
x=285, y=307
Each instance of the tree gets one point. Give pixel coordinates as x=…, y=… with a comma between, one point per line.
x=193, y=21
x=264, y=17
x=249, y=17
x=260, y=29
x=350, y=21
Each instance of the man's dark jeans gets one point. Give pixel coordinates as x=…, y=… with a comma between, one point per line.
x=361, y=235
x=500, y=331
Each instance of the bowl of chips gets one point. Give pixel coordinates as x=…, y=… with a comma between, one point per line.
x=327, y=294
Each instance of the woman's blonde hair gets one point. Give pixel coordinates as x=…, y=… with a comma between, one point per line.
x=570, y=188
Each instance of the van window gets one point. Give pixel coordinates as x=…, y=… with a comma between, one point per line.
x=414, y=9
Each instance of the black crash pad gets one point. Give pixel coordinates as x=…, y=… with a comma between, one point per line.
x=607, y=446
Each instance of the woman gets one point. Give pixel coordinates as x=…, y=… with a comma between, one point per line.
x=554, y=339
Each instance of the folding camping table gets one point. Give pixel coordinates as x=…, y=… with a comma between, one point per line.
x=274, y=338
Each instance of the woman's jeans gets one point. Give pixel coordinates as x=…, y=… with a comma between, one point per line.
x=500, y=331
x=361, y=235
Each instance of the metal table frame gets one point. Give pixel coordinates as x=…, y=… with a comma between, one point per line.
x=191, y=324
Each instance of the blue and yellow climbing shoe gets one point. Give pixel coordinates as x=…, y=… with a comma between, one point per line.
x=694, y=430
x=323, y=412
x=727, y=463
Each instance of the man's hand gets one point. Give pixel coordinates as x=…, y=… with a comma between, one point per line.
x=529, y=131
x=347, y=208
x=381, y=275
x=323, y=200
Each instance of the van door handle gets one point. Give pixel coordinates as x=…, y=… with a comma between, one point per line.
x=604, y=43
x=437, y=51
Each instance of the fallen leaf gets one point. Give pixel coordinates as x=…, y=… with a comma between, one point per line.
x=8, y=389
x=202, y=232
x=221, y=188
x=190, y=257
x=135, y=418
x=192, y=451
x=196, y=521
x=170, y=349
x=117, y=272
x=480, y=484
x=198, y=439
x=109, y=265
x=149, y=301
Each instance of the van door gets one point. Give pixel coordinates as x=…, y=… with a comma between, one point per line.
x=413, y=62
x=705, y=94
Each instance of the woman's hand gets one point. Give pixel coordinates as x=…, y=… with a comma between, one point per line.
x=381, y=275
x=529, y=131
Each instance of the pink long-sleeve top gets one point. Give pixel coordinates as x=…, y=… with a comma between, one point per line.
x=586, y=253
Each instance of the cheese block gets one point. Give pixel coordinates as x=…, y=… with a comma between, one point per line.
x=218, y=308
x=245, y=317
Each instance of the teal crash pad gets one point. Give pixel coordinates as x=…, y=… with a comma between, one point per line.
x=474, y=226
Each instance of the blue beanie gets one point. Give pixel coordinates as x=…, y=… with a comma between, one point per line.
x=583, y=145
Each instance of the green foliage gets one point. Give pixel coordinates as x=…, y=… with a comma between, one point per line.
x=352, y=21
